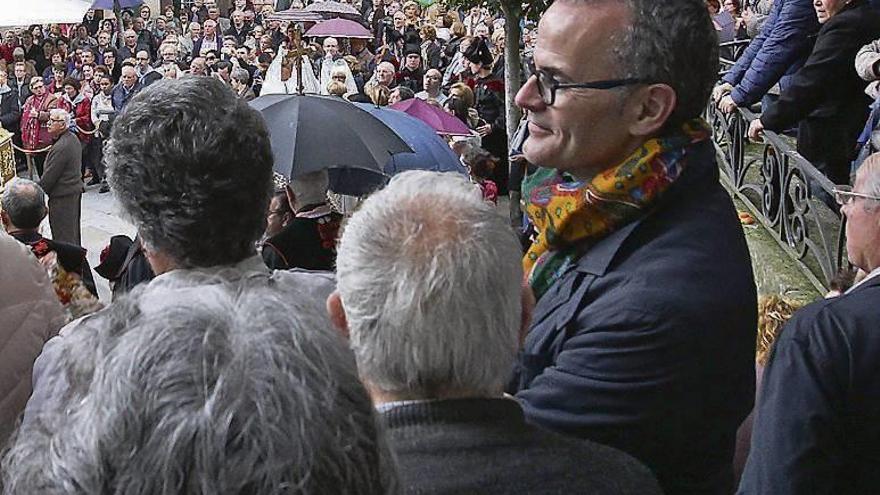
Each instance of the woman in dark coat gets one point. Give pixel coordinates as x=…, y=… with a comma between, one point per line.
x=489, y=102
x=826, y=97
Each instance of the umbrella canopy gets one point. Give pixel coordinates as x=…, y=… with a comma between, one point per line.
x=332, y=7
x=437, y=118
x=311, y=132
x=430, y=151
x=108, y=4
x=296, y=15
x=19, y=13
x=340, y=28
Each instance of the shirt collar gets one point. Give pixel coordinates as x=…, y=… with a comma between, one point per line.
x=874, y=273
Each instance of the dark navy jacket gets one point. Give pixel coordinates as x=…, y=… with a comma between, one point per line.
x=817, y=424
x=648, y=343
x=776, y=53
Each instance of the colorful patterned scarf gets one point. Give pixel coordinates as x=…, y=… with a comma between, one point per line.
x=571, y=215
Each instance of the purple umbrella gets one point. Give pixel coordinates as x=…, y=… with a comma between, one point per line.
x=437, y=118
x=332, y=7
x=295, y=15
x=108, y=4
x=340, y=28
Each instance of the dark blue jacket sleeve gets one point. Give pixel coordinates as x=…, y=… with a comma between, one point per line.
x=787, y=40
x=736, y=73
x=794, y=441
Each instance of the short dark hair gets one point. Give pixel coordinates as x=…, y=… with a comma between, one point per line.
x=192, y=166
x=405, y=93
x=672, y=43
x=71, y=81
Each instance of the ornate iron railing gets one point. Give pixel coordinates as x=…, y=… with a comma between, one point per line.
x=780, y=188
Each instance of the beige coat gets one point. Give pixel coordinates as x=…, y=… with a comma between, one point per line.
x=30, y=314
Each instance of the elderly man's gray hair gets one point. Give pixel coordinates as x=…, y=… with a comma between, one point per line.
x=60, y=113
x=430, y=279
x=870, y=171
x=222, y=389
x=310, y=188
x=24, y=202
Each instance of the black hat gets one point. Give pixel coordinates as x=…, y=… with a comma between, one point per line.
x=113, y=256
x=478, y=52
x=412, y=50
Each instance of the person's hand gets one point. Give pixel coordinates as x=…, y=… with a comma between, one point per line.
x=747, y=14
x=756, y=128
x=727, y=105
x=720, y=91
x=484, y=130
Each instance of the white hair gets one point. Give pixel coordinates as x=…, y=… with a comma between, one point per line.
x=870, y=171
x=429, y=275
x=60, y=113
x=310, y=188
x=227, y=387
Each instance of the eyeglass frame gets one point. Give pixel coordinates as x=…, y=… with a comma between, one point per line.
x=555, y=85
x=844, y=195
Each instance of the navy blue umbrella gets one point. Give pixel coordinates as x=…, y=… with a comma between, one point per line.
x=430, y=151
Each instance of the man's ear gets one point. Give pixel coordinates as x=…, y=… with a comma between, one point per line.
x=336, y=312
x=652, y=107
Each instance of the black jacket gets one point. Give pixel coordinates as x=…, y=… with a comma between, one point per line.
x=10, y=111
x=485, y=446
x=70, y=256
x=816, y=428
x=826, y=96
x=647, y=343
x=308, y=243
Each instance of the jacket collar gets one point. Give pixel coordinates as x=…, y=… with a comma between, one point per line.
x=702, y=169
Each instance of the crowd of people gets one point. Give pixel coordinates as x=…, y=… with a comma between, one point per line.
x=262, y=340
x=449, y=59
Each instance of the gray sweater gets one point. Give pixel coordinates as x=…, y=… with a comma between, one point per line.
x=485, y=446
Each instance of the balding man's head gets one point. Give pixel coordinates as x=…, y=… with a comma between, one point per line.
x=22, y=205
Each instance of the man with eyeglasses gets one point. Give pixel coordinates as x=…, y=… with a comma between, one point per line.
x=816, y=428
x=643, y=337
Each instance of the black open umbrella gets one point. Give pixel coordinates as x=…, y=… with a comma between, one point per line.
x=311, y=132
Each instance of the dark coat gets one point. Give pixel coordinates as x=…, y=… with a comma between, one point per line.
x=10, y=111
x=816, y=428
x=776, y=53
x=120, y=96
x=308, y=243
x=827, y=96
x=485, y=446
x=197, y=44
x=62, y=173
x=70, y=256
x=647, y=343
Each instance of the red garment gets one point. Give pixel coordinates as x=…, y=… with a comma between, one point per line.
x=34, y=132
x=490, y=190
x=81, y=114
x=6, y=53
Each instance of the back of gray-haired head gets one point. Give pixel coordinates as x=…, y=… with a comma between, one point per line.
x=430, y=275
x=224, y=389
x=240, y=75
x=310, y=188
x=191, y=164
x=671, y=42
x=24, y=202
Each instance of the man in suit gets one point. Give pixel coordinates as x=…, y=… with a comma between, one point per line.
x=62, y=179
x=643, y=336
x=430, y=295
x=816, y=428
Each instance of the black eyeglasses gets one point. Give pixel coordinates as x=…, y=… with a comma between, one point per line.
x=547, y=84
